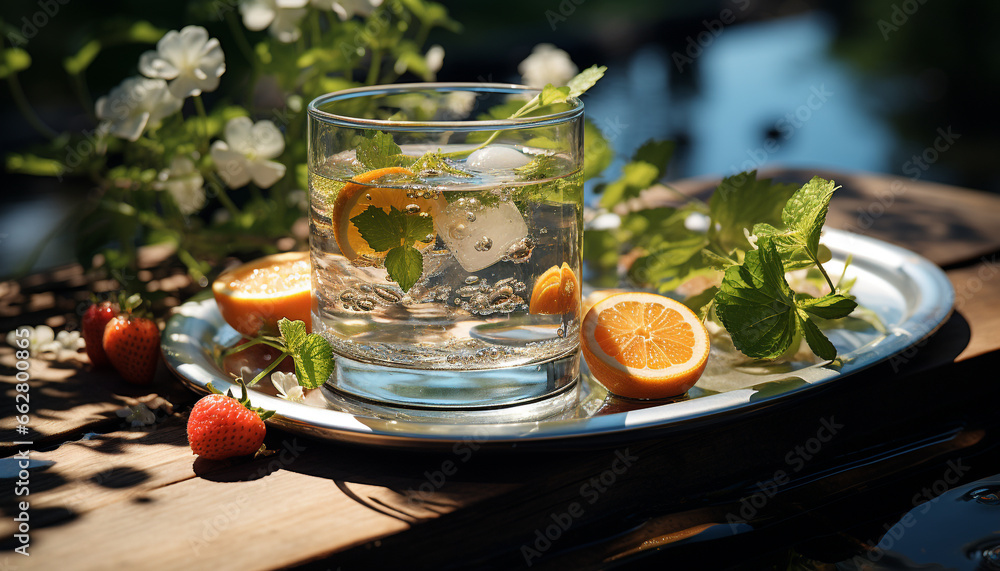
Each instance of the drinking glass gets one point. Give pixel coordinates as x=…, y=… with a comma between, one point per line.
x=446, y=240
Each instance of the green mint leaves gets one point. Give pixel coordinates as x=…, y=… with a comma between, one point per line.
x=739, y=202
x=395, y=232
x=763, y=314
x=312, y=355
x=380, y=151
x=803, y=216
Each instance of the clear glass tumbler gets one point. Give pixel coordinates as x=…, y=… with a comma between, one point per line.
x=446, y=241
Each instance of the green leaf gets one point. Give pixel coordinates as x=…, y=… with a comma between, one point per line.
x=432, y=163
x=313, y=361
x=13, y=60
x=741, y=201
x=415, y=228
x=656, y=153
x=379, y=151
x=379, y=228
x=76, y=64
x=815, y=338
x=552, y=94
x=585, y=80
x=34, y=165
x=716, y=261
x=635, y=178
x=803, y=217
x=597, y=153
x=830, y=306
x=699, y=302
x=756, y=305
x=293, y=332
x=405, y=264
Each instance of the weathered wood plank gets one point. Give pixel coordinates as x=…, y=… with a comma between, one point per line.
x=132, y=497
x=68, y=399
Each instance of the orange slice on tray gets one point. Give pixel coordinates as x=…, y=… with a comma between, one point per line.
x=557, y=291
x=254, y=296
x=358, y=195
x=643, y=345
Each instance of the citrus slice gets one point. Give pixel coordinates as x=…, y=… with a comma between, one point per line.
x=254, y=296
x=557, y=291
x=643, y=345
x=358, y=195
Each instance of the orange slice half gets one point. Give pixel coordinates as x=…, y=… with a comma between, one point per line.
x=254, y=296
x=644, y=346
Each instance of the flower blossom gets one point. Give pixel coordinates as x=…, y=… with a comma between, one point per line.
x=135, y=104
x=245, y=154
x=42, y=339
x=287, y=385
x=137, y=416
x=184, y=183
x=189, y=59
x=434, y=58
x=280, y=17
x=547, y=64
x=347, y=9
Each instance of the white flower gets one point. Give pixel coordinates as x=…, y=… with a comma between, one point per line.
x=280, y=17
x=288, y=386
x=189, y=59
x=459, y=103
x=184, y=183
x=137, y=103
x=547, y=64
x=245, y=152
x=434, y=58
x=42, y=339
x=347, y=9
x=138, y=415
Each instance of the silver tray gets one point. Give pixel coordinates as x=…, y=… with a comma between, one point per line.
x=910, y=295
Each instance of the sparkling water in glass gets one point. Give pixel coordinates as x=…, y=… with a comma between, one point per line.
x=446, y=242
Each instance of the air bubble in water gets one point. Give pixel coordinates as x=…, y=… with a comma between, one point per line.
x=471, y=279
x=412, y=208
x=484, y=244
x=470, y=216
x=368, y=197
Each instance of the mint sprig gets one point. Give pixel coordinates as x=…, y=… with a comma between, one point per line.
x=395, y=232
x=763, y=314
x=311, y=353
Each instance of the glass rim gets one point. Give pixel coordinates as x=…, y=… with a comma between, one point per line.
x=316, y=113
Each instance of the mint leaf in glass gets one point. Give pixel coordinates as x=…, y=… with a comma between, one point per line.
x=405, y=264
x=379, y=151
x=382, y=230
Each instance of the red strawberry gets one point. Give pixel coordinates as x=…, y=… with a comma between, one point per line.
x=133, y=347
x=95, y=319
x=222, y=427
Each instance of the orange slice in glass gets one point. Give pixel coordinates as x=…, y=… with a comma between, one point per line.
x=358, y=195
x=556, y=292
x=644, y=346
x=254, y=296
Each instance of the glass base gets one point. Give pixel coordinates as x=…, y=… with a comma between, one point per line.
x=512, y=394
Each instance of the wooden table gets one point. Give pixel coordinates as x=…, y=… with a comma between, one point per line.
x=104, y=496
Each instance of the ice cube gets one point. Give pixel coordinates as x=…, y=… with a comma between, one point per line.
x=496, y=157
x=466, y=236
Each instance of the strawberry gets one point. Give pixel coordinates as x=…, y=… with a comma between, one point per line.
x=220, y=426
x=132, y=344
x=95, y=319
